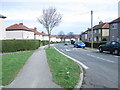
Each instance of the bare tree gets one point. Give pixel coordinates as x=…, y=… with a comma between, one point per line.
x=61, y=35
x=50, y=18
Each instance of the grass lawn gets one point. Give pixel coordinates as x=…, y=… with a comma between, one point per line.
x=65, y=72
x=11, y=65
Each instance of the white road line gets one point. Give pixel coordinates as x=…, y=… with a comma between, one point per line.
x=83, y=65
x=101, y=58
x=116, y=56
x=67, y=50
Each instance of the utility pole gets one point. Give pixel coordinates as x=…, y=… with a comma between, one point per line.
x=92, y=28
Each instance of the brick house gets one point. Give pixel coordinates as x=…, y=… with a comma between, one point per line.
x=89, y=34
x=101, y=32
x=115, y=30
x=84, y=36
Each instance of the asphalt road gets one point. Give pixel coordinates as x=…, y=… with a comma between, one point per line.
x=102, y=68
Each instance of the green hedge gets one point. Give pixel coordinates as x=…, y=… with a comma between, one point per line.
x=95, y=44
x=19, y=45
x=22, y=45
x=45, y=42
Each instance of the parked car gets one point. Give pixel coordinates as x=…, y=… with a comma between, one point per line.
x=112, y=46
x=79, y=44
x=66, y=43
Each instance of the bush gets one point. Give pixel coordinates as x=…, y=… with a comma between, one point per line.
x=104, y=39
x=19, y=45
x=72, y=41
x=95, y=44
x=45, y=42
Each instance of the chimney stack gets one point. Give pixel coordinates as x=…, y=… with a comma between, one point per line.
x=100, y=22
x=35, y=28
x=20, y=23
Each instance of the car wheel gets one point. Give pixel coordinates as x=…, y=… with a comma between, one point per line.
x=100, y=50
x=116, y=52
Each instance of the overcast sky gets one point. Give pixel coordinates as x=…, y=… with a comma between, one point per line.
x=76, y=13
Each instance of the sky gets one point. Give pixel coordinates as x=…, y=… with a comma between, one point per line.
x=76, y=14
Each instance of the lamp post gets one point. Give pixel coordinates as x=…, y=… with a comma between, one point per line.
x=92, y=28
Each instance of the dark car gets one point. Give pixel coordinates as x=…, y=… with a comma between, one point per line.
x=112, y=46
x=79, y=44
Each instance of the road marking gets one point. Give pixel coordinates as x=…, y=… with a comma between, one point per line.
x=67, y=50
x=83, y=65
x=116, y=56
x=101, y=58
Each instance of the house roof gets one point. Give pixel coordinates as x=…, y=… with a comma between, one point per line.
x=103, y=25
x=115, y=21
x=19, y=26
x=1, y=16
x=53, y=36
x=37, y=33
x=44, y=34
x=84, y=32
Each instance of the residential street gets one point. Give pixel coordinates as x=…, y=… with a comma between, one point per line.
x=102, y=68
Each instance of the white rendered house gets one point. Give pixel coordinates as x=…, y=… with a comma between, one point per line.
x=19, y=31
x=38, y=35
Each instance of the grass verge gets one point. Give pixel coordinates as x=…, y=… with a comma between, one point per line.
x=11, y=65
x=65, y=72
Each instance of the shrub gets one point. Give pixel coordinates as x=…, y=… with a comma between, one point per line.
x=72, y=41
x=19, y=45
x=95, y=44
x=104, y=39
x=44, y=42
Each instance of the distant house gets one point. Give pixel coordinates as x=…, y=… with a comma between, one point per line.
x=53, y=38
x=101, y=32
x=58, y=39
x=19, y=31
x=77, y=37
x=2, y=28
x=37, y=35
x=115, y=30
x=89, y=35
x=84, y=36
x=44, y=36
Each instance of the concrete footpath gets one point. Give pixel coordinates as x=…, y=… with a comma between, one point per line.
x=35, y=73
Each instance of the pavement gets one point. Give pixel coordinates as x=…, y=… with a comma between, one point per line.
x=100, y=69
x=35, y=73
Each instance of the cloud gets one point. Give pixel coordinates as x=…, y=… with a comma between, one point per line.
x=76, y=13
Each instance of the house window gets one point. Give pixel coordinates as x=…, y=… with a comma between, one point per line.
x=85, y=36
x=99, y=30
x=114, y=26
x=94, y=38
x=99, y=38
x=95, y=31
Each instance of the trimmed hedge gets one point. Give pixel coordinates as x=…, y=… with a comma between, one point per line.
x=22, y=45
x=95, y=44
x=19, y=45
x=45, y=42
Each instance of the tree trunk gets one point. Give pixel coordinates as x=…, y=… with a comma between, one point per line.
x=49, y=41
